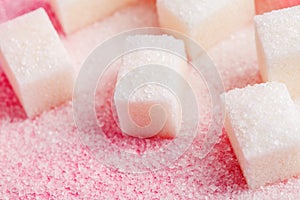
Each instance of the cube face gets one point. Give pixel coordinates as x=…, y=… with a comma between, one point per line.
x=150, y=95
x=207, y=21
x=277, y=166
x=263, y=126
x=144, y=57
x=140, y=109
x=155, y=57
x=35, y=62
x=277, y=41
x=47, y=92
x=75, y=14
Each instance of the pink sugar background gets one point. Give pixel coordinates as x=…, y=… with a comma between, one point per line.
x=44, y=159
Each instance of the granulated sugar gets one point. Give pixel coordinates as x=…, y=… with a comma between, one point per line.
x=43, y=158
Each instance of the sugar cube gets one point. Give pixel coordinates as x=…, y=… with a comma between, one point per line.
x=82, y=42
x=278, y=41
x=35, y=62
x=75, y=14
x=206, y=21
x=263, y=125
x=150, y=94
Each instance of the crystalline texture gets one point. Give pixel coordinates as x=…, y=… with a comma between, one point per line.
x=263, y=126
x=206, y=21
x=35, y=62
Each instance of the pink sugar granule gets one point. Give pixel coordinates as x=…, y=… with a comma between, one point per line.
x=263, y=6
x=43, y=158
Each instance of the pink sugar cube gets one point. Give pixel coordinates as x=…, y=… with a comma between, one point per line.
x=35, y=62
x=75, y=14
x=263, y=125
x=149, y=94
x=278, y=41
x=206, y=21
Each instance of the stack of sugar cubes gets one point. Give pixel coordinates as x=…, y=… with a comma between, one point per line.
x=262, y=121
x=40, y=70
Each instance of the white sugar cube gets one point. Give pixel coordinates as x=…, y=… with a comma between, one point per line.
x=150, y=94
x=35, y=62
x=75, y=14
x=263, y=126
x=278, y=42
x=206, y=21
